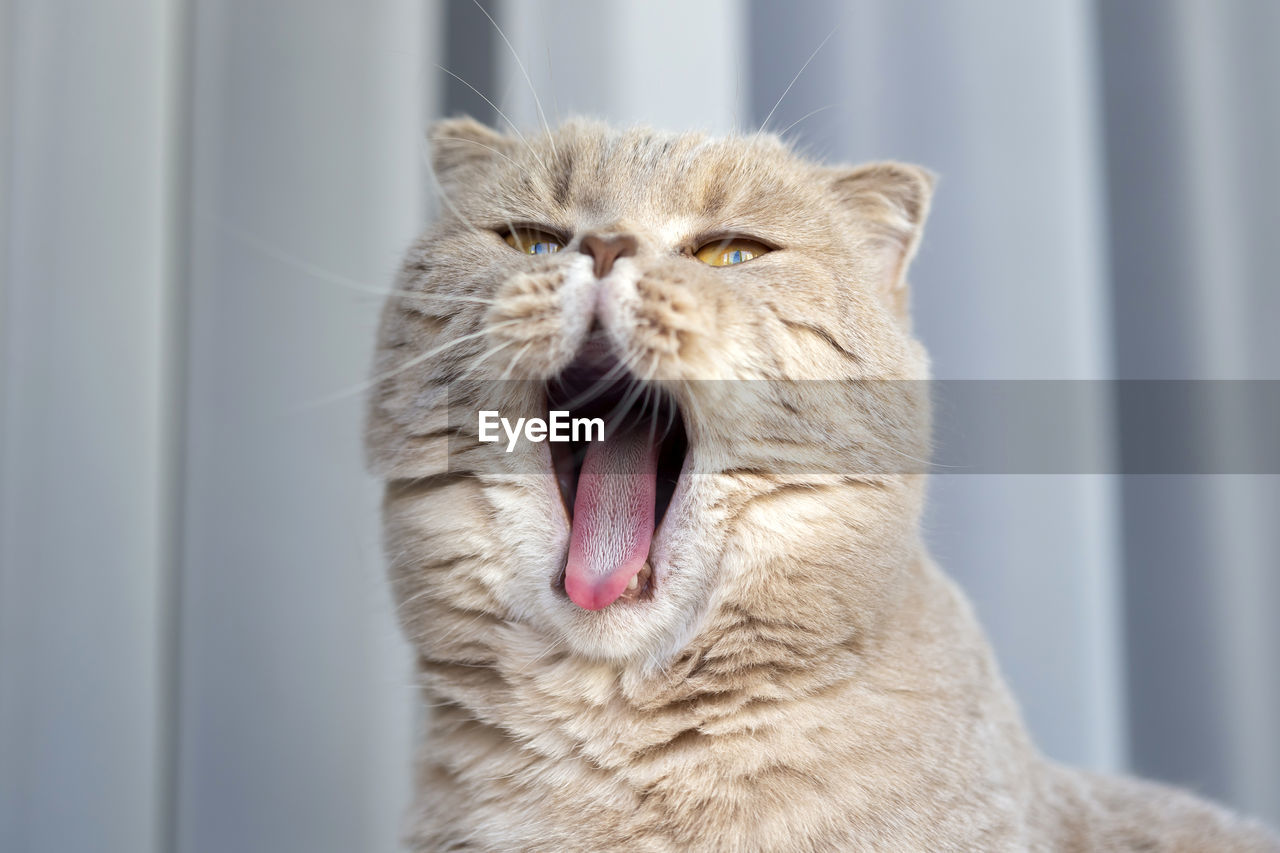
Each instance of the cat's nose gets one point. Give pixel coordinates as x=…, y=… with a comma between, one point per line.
x=606, y=250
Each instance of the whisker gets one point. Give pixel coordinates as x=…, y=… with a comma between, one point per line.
x=499, y=111
x=659, y=394
x=765, y=123
x=551, y=75
x=671, y=409
x=515, y=359
x=411, y=599
x=444, y=196
x=649, y=403
x=927, y=463
x=603, y=384
x=598, y=387
x=413, y=362
x=475, y=143
x=623, y=408
x=653, y=367
x=551, y=648
x=443, y=297
x=506, y=218
x=787, y=129
x=532, y=90
x=278, y=254
x=671, y=420
x=452, y=635
x=480, y=363
x=283, y=257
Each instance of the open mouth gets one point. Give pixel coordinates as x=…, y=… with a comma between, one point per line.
x=616, y=490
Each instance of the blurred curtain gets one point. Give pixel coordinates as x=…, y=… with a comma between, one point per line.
x=198, y=197
x=1192, y=118
x=204, y=198
x=86, y=401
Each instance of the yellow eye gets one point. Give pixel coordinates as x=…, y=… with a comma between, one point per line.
x=533, y=241
x=728, y=251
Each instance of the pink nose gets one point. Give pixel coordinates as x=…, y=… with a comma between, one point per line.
x=606, y=250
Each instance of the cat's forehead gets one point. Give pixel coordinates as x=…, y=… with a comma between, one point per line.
x=595, y=175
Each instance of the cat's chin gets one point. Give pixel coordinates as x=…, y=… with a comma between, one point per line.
x=650, y=624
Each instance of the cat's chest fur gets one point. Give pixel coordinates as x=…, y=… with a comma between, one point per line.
x=838, y=753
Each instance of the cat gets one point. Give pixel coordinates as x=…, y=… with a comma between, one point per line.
x=685, y=639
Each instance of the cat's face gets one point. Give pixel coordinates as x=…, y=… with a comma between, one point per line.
x=690, y=280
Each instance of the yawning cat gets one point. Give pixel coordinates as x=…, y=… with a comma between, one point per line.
x=715, y=628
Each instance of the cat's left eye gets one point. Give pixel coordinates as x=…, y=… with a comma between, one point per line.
x=533, y=241
x=728, y=251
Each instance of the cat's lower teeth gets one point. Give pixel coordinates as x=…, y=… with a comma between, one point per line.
x=638, y=585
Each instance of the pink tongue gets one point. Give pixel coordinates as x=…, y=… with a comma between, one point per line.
x=612, y=517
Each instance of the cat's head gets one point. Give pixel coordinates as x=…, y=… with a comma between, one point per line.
x=701, y=284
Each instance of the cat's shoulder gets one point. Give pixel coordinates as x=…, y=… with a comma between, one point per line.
x=1118, y=813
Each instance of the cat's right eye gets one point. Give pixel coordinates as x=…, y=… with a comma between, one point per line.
x=533, y=241
x=727, y=251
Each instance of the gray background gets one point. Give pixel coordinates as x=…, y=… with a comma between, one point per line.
x=199, y=200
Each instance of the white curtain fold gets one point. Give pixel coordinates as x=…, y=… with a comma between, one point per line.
x=85, y=467
x=1192, y=119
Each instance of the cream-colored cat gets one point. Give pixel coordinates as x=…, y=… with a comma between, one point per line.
x=719, y=633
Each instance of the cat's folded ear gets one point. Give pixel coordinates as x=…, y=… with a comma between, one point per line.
x=459, y=146
x=890, y=202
